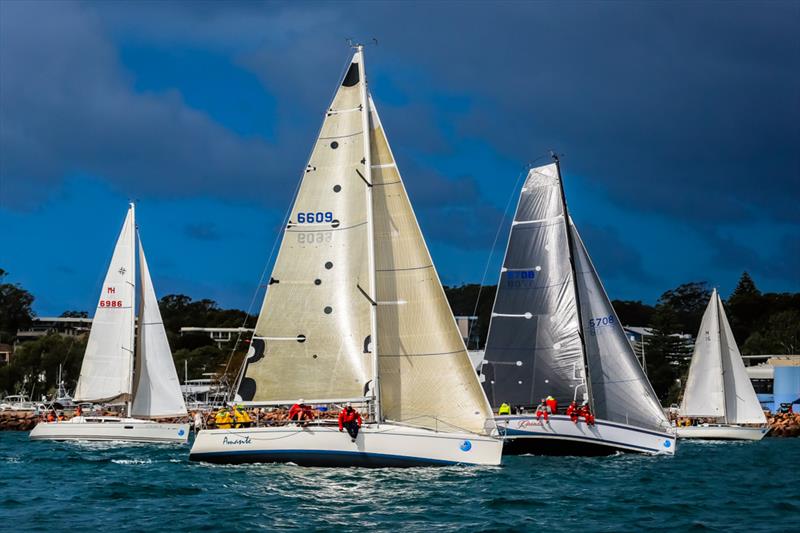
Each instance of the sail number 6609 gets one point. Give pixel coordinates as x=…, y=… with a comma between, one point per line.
x=312, y=217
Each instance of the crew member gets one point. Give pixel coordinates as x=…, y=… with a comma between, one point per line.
x=51, y=416
x=223, y=418
x=552, y=404
x=573, y=412
x=300, y=411
x=350, y=419
x=198, y=421
x=543, y=410
x=586, y=413
x=505, y=409
x=78, y=411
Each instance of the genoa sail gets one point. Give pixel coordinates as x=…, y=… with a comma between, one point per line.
x=534, y=348
x=157, y=390
x=106, y=368
x=313, y=335
x=704, y=395
x=426, y=376
x=620, y=390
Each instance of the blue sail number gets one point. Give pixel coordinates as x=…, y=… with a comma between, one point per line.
x=312, y=217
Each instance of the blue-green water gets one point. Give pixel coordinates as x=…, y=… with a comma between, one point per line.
x=103, y=487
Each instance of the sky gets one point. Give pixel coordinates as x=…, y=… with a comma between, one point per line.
x=678, y=125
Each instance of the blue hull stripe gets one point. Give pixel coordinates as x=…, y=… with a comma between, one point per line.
x=531, y=435
x=312, y=454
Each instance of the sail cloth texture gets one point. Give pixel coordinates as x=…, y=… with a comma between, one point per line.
x=107, y=363
x=157, y=390
x=533, y=348
x=621, y=391
x=426, y=376
x=705, y=393
x=741, y=403
x=314, y=321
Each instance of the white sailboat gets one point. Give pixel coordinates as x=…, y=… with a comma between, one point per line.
x=718, y=388
x=554, y=333
x=355, y=312
x=111, y=371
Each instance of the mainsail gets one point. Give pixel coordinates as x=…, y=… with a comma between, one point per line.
x=158, y=391
x=315, y=320
x=534, y=347
x=620, y=390
x=426, y=376
x=106, y=368
x=718, y=385
x=704, y=395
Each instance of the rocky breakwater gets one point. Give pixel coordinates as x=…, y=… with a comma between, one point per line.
x=784, y=425
x=18, y=420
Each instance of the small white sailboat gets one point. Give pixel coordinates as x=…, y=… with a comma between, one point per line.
x=355, y=312
x=145, y=379
x=554, y=333
x=718, y=389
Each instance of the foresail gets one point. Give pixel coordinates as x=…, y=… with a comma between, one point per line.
x=741, y=403
x=533, y=348
x=157, y=391
x=426, y=376
x=106, y=368
x=312, y=338
x=620, y=390
x=704, y=395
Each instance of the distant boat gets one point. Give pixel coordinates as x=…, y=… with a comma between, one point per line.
x=355, y=312
x=111, y=371
x=553, y=332
x=718, y=388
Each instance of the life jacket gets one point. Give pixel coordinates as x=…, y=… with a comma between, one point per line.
x=223, y=420
x=505, y=409
x=346, y=417
x=552, y=404
x=294, y=410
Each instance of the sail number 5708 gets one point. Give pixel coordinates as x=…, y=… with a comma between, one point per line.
x=311, y=217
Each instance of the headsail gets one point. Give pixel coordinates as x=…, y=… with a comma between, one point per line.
x=620, y=389
x=107, y=363
x=741, y=403
x=426, y=376
x=312, y=337
x=704, y=395
x=534, y=348
x=158, y=391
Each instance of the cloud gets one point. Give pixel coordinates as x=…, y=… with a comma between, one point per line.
x=202, y=231
x=613, y=257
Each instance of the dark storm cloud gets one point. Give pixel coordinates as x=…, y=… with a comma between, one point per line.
x=202, y=231
x=613, y=257
x=784, y=264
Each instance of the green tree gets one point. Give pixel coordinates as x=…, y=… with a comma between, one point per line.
x=633, y=313
x=15, y=309
x=781, y=336
x=688, y=302
x=43, y=356
x=74, y=314
x=745, y=308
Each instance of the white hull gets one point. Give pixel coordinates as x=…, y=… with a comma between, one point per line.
x=723, y=432
x=384, y=445
x=561, y=436
x=111, y=429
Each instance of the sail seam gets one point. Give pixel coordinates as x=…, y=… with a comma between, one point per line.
x=419, y=354
x=291, y=230
x=343, y=136
x=402, y=269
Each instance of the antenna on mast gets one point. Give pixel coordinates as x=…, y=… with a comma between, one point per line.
x=353, y=44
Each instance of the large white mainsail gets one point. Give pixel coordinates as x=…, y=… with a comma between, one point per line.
x=620, y=389
x=158, y=391
x=426, y=377
x=704, y=395
x=106, y=368
x=315, y=320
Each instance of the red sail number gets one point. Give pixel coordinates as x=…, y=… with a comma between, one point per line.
x=110, y=303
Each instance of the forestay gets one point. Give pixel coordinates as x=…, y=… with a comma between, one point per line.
x=704, y=395
x=106, y=368
x=426, y=376
x=158, y=391
x=620, y=390
x=312, y=338
x=533, y=347
x=741, y=403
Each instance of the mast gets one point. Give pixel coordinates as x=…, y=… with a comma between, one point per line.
x=717, y=309
x=571, y=248
x=133, y=343
x=373, y=314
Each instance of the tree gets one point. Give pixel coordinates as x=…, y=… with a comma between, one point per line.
x=746, y=308
x=633, y=313
x=75, y=314
x=688, y=302
x=781, y=336
x=43, y=357
x=15, y=309
x=668, y=354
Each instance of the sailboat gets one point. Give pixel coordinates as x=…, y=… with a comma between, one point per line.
x=355, y=313
x=553, y=332
x=718, y=388
x=145, y=379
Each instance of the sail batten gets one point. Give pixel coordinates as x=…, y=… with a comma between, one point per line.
x=106, y=368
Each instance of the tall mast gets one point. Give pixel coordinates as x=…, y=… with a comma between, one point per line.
x=133, y=308
x=571, y=248
x=373, y=315
x=718, y=309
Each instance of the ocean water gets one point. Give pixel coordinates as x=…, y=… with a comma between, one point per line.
x=707, y=486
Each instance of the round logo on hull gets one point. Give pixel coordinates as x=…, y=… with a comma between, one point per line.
x=466, y=446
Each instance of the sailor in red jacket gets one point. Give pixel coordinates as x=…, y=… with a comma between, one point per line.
x=586, y=413
x=350, y=419
x=552, y=404
x=572, y=412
